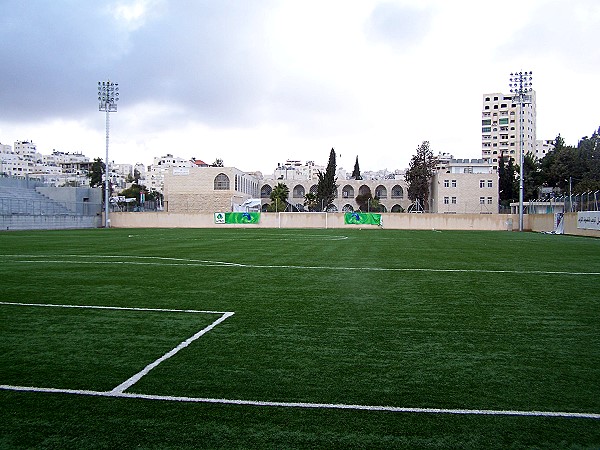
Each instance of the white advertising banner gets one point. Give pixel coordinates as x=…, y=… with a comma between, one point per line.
x=588, y=220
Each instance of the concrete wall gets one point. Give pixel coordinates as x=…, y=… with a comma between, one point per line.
x=80, y=200
x=52, y=222
x=545, y=222
x=499, y=222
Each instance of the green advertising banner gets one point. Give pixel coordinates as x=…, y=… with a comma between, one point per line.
x=237, y=217
x=360, y=218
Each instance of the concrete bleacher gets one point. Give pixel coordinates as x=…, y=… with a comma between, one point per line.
x=27, y=204
x=16, y=200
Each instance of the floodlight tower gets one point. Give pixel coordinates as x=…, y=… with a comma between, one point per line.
x=108, y=96
x=520, y=86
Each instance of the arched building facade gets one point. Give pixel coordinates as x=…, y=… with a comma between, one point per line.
x=392, y=194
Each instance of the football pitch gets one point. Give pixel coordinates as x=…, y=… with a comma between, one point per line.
x=267, y=338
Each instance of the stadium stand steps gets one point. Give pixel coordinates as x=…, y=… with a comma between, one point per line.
x=19, y=200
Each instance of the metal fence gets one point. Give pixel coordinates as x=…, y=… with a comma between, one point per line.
x=34, y=207
x=148, y=206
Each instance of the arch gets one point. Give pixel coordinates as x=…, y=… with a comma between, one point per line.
x=347, y=191
x=382, y=208
x=397, y=192
x=298, y=191
x=397, y=209
x=265, y=191
x=313, y=189
x=221, y=182
x=331, y=208
x=381, y=191
x=264, y=207
x=364, y=190
x=347, y=208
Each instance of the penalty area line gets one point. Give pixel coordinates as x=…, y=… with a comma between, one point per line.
x=306, y=405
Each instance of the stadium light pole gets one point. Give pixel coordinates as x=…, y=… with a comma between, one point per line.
x=520, y=86
x=108, y=96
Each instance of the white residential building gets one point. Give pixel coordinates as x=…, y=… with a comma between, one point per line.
x=507, y=128
x=295, y=170
x=155, y=177
x=543, y=147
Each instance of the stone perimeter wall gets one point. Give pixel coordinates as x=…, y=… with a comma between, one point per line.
x=491, y=222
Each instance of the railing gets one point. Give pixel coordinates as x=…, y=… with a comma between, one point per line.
x=147, y=206
x=34, y=207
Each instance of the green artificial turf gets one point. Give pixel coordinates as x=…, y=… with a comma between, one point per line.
x=418, y=319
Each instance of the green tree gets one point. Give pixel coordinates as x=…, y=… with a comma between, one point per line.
x=531, y=177
x=368, y=203
x=96, y=172
x=136, y=176
x=356, y=172
x=279, y=196
x=310, y=201
x=218, y=163
x=420, y=171
x=326, y=186
x=503, y=194
x=576, y=166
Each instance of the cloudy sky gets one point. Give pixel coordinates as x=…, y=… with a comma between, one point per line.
x=256, y=82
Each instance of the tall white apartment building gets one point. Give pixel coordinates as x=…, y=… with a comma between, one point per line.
x=507, y=127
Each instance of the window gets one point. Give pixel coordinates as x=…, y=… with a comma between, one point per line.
x=490, y=183
x=481, y=183
x=503, y=121
x=446, y=200
x=221, y=182
x=446, y=183
x=454, y=200
x=453, y=183
x=482, y=200
x=486, y=122
x=397, y=192
x=489, y=200
x=486, y=129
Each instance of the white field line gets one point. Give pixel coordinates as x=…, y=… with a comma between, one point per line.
x=162, y=261
x=223, y=401
x=49, y=305
x=135, y=378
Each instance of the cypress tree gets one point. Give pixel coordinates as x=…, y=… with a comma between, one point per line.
x=356, y=171
x=326, y=186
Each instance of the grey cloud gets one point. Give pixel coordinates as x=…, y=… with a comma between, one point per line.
x=205, y=60
x=204, y=56
x=561, y=29
x=397, y=25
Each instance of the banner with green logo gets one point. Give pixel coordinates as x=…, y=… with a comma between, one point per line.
x=237, y=217
x=360, y=218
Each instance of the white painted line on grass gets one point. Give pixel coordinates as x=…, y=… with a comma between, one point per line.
x=134, y=379
x=307, y=405
x=118, y=308
x=126, y=259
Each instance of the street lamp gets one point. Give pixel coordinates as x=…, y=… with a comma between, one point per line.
x=108, y=96
x=520, y=86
